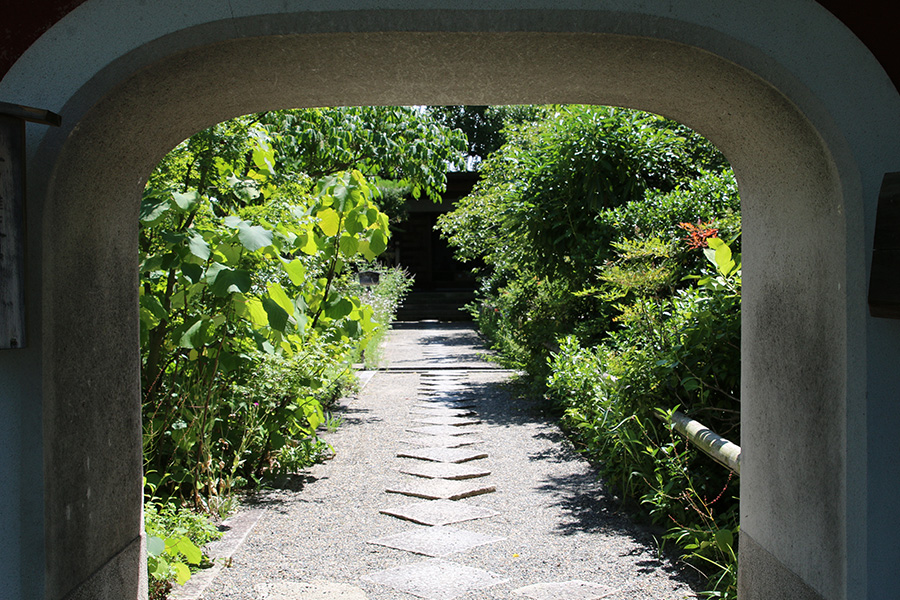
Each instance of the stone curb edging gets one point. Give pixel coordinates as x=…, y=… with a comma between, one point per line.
x=221, y=551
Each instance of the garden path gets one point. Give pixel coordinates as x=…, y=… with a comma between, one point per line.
x=445, y=485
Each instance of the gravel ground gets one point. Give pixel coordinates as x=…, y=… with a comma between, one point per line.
x=559, y=522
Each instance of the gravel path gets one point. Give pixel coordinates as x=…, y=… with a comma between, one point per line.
x=553, y=520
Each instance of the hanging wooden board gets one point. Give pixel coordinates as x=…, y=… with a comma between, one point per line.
x=12, y=232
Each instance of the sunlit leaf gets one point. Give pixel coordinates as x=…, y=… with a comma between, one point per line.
x=190, y=551
x=155, y=545
x=277, y=293
x=186, y=200
x=254, y=237
x=329, y=221
x=182, y=573
x=296, y=270
x=198, y=246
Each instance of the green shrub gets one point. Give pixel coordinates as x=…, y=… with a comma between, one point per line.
x=175, y=537
x=680, y=352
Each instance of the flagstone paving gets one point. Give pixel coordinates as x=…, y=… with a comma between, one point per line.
x=445, y=441
x=437, y=541
x=436, y=579
x=435, y=489
x=439, y=512
x=449, y=455
x=434, y=470
x=441, y=420
x=566, y=590
x=541, y=526
x=441, y=411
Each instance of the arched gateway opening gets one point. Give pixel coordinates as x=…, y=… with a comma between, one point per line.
x=806, y=198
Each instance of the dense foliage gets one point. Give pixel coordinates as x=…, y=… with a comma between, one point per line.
x=251, y=234
x=610, y=239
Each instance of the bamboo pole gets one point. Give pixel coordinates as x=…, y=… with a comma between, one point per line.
x=715, y=446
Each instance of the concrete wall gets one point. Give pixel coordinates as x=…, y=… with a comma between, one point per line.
x=804, y=113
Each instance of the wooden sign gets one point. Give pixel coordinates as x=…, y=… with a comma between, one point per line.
x=12, y=232
x=12, y=217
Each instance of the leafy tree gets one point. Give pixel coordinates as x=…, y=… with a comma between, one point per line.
x=483, y=125
x=250, y=231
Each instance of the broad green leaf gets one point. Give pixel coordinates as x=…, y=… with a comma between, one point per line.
x=148, y=322
x=232, y=221
x=193, y=272
x=198, y=246
x=724, y=540
x=384, y=223
x=151, y=263
x=162, y=568
x=190, y=551
x=155, y=545
x=245, y=189
x=329, y=221
x=229, y=252
x=174, y=238
x=187, y=200
x=254, y=237
x=378, y=242
x=152, y=304
x=338, y=308
x=366, y=250
x=182, y=573
x=256, y=312
x=723, y=258
x=277, y=316
x=192, y=338
x=264, y=159
x=353, y=329
x=153, y=209
x=296, y=270
x=341, y=195
x=177, y=299
x=224, y=280
x=277, y=293
x=352, y=224
x=348, y=245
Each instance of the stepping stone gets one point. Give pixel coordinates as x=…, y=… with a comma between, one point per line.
x=455, y=421
x=436, y=541
x=458, y=398
x=435, y=579
x=442, y=441
x=437, y=489
x=439, y=512
x=449, y=386
x=441, y=411
x=313, y=590
x=567, y=590
x=458, y=390
x=454, y=404
x=432, y=470
x=446, y=455
x=440, y=430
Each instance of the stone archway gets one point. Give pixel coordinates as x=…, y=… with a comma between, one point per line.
x=804, y=529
